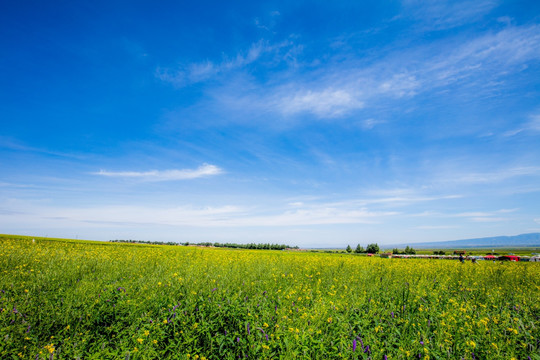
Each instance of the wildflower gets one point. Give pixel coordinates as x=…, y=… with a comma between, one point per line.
x=140, y=340
x=50, y=348
x=354, y=345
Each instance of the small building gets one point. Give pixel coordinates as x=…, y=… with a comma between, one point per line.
x=535, y=258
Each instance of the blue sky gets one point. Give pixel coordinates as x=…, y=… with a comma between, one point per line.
x=318, y=124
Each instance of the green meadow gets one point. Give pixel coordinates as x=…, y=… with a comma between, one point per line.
x=70, y=299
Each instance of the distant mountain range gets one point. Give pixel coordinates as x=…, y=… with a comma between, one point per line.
x=523, y=240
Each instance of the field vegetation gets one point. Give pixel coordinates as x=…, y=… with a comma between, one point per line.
x=62, y=299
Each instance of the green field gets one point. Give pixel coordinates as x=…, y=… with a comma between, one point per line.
x=68, y=299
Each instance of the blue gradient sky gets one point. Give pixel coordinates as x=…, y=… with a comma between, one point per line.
x=316, y=124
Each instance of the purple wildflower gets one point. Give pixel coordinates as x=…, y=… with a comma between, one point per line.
x=237, y=339
x=354, y=345
x=248, y=330
x=214, y=289
x=392, y=313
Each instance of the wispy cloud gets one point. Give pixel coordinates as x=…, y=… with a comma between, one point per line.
x=436, y=227
x=532, y=126
x=342, y=88
x=191, y=73
x=494, y=176
x=165, y=175
x=444, y=14
x=14, y=144
x=230, y=216
x=484, y=216
x=369, y=124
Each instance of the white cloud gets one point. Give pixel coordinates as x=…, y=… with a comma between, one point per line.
x=400, y=85
x=337, y=89
x=371, y=123
x=324, y=103
x=230, y=216
x=165, y=175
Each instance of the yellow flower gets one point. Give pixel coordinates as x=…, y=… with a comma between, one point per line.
x=140, y=340
x=50, y=348
x=329, y=320
x=146, y=333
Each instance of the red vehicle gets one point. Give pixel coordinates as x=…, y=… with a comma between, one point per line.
x=509, y=258
x=489, y=257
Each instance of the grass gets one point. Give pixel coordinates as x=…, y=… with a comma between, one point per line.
x=69, y=299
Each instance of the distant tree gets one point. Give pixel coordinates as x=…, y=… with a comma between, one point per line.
x=372, y=249
x=359, y=249
x=348, y=248
x=395, y=251
x=409, y=250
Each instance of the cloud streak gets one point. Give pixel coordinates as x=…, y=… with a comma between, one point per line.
x=165, y=175
x=196, y=72
x=338, y=88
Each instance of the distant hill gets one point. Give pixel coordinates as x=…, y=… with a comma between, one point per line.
x=523, y=240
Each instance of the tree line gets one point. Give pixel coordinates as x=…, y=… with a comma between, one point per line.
x=215, y=244
x=370, y=249
x=374, y=249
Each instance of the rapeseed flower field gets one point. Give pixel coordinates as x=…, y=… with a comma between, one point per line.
x=91, y=300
